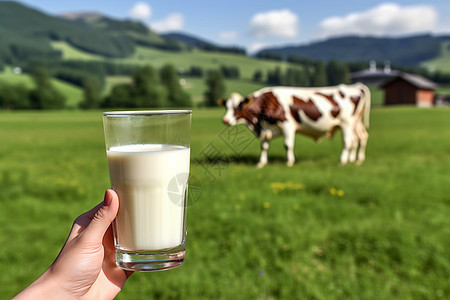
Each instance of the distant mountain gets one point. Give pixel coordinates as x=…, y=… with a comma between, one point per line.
x=407, y=51
x=195, y=42
x=27, y=33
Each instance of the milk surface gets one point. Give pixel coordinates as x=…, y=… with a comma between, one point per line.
x=151, y=214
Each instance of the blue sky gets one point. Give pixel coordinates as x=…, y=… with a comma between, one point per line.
x=255, y=24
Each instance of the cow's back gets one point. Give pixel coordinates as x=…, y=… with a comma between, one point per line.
x=318, y=110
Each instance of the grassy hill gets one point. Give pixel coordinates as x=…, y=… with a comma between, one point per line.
x=203, y=59
x=441, y=62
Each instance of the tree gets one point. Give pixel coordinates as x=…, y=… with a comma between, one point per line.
x=230, y=71
x=274, y=77
x=337, y=73
x=121, y=95
x=295, y=77
x=147, y=89
x=196, y=71
x=320, y=75
x=14, y=96
x=44, y=95
x=257, y=76
x=176, y=96
x=215, y=87
x=92, y=94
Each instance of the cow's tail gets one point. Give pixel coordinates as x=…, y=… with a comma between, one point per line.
x=366, y=100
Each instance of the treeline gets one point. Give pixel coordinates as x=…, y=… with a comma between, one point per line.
x=214, y=48
x=42, y=96
x=150, y=90
x=77, y=72
x=228, y=72
x=147, y=90
x=306, y=73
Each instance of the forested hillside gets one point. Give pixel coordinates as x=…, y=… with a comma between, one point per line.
x=406, y=51
x=103, y=36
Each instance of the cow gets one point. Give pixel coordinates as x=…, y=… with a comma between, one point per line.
x=315, y=112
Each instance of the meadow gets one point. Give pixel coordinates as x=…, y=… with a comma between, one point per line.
x=317, y=230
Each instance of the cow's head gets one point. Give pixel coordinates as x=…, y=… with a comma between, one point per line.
x=234, y=106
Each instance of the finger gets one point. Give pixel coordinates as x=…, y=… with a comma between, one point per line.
x=109, y=260
x=83, y=221
x=102, y=218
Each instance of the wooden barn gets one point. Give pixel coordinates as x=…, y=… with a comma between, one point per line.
x=399, y=87
x=409, y=89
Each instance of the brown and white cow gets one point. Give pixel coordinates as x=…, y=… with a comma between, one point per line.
x=315, y=112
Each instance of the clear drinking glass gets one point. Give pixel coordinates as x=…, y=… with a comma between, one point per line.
x=148, y=156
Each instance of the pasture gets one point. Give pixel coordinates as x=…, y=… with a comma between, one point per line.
x=317, y=230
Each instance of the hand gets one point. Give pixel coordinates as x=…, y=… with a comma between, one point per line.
x=85, y=267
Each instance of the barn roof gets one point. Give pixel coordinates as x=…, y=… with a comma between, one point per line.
x=416, y=80
x=374, y=75
x=379, y=73
x=385, y=76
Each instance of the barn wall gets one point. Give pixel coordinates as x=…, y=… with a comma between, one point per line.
x=400, y=92
x=425, y=98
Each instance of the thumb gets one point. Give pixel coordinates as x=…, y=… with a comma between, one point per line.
x=103, y=218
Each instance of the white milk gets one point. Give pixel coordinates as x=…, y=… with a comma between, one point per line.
x=151, y=215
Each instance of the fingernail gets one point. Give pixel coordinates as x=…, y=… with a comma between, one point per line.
x=108, y=199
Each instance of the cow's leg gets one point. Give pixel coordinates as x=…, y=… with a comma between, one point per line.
x=350, y=144
x=353, y=147
x=289, y=141
x=263, y=158
x=363, y=136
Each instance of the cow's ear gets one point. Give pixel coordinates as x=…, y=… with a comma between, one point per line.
x=248, y=100
x=221, y=102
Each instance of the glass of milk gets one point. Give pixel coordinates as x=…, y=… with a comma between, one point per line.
x=148, y=156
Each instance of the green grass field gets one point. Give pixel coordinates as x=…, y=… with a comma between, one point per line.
x=317, y=230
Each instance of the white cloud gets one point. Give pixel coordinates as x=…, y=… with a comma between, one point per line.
x=384, y=19
x=228, y=35
x=275, y=23
x=140, y=10
x=173, y=22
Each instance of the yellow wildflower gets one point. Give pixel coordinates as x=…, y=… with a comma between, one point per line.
x=280, y=186
x=266, y=205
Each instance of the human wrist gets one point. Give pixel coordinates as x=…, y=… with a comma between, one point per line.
x=45, y=287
